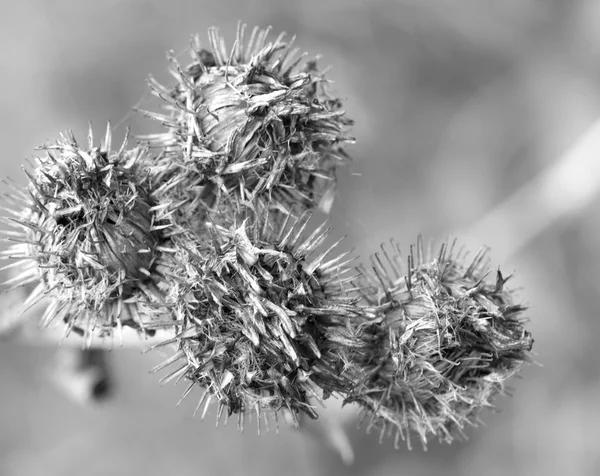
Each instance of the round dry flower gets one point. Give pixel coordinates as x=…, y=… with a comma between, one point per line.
x=264, y=323
x=448, y=342
x=86, y=234
x=256, y=123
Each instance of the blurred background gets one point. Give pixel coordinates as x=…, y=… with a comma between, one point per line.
x=458, y=104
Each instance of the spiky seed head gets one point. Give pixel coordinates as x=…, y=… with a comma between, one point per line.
x=449, y=341
x=263, y=319
x=256, y=122
x=85, y=232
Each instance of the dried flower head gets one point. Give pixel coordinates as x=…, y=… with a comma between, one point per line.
x=264, y=324
x=257, y=123
x=449, y=341
x=85, y=232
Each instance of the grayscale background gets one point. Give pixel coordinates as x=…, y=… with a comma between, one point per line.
x=457, y=103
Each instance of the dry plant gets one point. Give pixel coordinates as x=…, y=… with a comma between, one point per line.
x=201, y=239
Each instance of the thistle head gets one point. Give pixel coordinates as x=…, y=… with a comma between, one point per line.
x=448, y=342
x=256, y=122
x=263, y=321
x=85, y=231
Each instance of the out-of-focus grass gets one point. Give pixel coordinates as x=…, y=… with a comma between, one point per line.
x=457, y=104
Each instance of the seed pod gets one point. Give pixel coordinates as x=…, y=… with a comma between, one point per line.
x=264, y=324
x=85, y=232
x=448, y=342
x=256, y=124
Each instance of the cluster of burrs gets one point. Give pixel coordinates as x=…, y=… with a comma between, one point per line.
x=204, y=230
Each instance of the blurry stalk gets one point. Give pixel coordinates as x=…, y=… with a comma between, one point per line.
x=564, y=188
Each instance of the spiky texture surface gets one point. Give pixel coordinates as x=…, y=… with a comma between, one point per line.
x=213, y=223
x=85, y=232
x=449, y=341
x=264, y=323
x=255, y=125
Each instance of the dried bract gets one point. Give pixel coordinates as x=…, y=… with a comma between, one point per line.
x=449, y=341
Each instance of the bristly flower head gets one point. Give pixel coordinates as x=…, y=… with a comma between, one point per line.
x=264, y=323
x=86, y=234
x=449, y=341
x=256, y=123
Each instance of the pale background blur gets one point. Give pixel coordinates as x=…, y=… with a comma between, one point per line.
x=457, y=105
